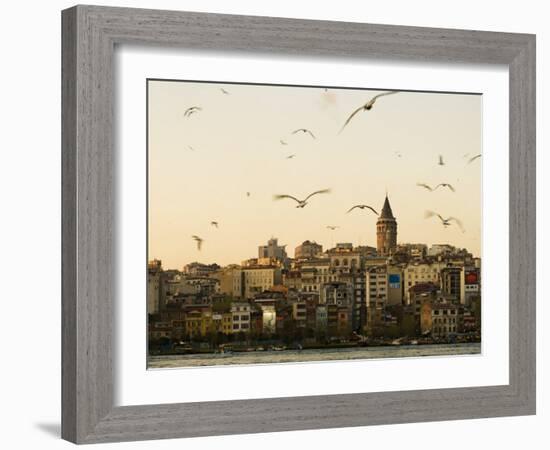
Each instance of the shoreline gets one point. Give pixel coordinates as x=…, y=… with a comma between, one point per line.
x=312, y=355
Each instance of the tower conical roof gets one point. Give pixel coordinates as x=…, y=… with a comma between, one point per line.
x=386, y=210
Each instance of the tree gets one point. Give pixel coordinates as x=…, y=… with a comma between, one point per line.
x=408, y=326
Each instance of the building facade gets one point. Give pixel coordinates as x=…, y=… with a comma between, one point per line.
x=308, y=250
x=251, y=281
x=272, y=250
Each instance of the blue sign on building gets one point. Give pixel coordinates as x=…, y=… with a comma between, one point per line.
x=394, y=280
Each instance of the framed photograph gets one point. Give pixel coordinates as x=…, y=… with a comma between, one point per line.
x=278, y=224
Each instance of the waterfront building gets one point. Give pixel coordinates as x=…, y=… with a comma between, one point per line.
x=240, y=317
x=447, y=319
x=321, y=318
x=269, y=319
x=452, y=283
x=299, y=313
x=159, y=330
x=198, y=322
x=344, y=321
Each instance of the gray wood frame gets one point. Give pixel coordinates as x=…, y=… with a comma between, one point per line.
x=89, y=36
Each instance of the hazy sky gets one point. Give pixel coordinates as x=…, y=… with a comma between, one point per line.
x=237, y=150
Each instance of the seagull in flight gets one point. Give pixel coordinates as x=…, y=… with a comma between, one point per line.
x=248, y=194
x=304, y=130
x=198, y=240
x=224, y=91
x=290, y=156
x=445, y=222
x=366, y=107
x=283, y=142
x=192, y=110
x=301, y=203
x=429, y=188
x=440, y=162
x=189, y=147
x=362, y=207
x=332, y=227
x=214, y=223
x=473, y=159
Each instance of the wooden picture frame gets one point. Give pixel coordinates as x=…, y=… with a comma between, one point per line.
x=90, y=34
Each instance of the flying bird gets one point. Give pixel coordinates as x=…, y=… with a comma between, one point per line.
x=290, y=156
x=283, y=142
x=224, y=91
x=332, y=227
x=198, y=240
x=304, y=130
x=366, y=107
x=447, y=185
x=473, y=159
x=301, y=203
x=440, y=162
x=362, y=207
x=429, y=188
x=399, y=155
x=192, y=110
x=189, y=147
x=445, y=222
x=214, y=223
x=425, y=186
x=248, y=194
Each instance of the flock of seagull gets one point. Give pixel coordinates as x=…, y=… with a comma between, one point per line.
x=368, y=106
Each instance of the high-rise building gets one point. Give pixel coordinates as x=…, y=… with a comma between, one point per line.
x=386, y=231
x=307, y=250
x=272, y=250
x=154, y=272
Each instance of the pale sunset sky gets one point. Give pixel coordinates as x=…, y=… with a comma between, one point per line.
x=236, y=149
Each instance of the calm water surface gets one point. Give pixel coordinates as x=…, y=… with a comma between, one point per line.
x=290, y=356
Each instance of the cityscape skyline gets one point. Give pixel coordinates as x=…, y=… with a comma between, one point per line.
x=335, y=303
x=291, y=248
x=225, y=163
